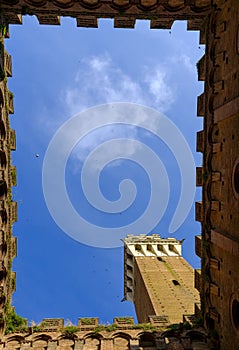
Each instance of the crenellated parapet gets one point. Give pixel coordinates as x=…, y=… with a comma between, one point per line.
x=218, y=244
x=161, y=14
x=51, y=334
x=219, y=175
x=8, y=208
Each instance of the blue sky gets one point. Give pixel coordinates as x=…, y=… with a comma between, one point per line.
x=57, y=73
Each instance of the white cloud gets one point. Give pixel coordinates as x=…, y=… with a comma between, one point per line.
x=186, y=61
x=100, y=81
x=159, y=89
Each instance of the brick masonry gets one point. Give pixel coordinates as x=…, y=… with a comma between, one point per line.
x=218, y=22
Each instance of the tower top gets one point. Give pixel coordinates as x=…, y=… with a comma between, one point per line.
x=157, y=279
x=153, y=245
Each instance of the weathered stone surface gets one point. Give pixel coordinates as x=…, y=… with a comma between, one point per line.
x=8, y=208
x=160, y=280
x=162, y=14
x=127, y=339
x=218, y=22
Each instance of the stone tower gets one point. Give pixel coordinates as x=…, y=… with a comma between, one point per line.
x=158, y=279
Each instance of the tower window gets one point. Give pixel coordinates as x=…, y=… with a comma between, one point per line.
x=160, y=247
x=235, y=313
x=176, y=283
x=129, y=268
x=138, y=247
x=236, y=178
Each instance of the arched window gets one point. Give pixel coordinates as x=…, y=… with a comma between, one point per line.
x=1, y=99
x=3, y=189
x=39, y=344
x=120, y=343
x=3, y=160
x=13, y=344
x=92, y=343
x=147, y=341
x=2, y=129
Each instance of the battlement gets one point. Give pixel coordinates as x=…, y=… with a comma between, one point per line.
x=122, y=334
x=145, y=262
x=153, y=245
x=124, y=12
